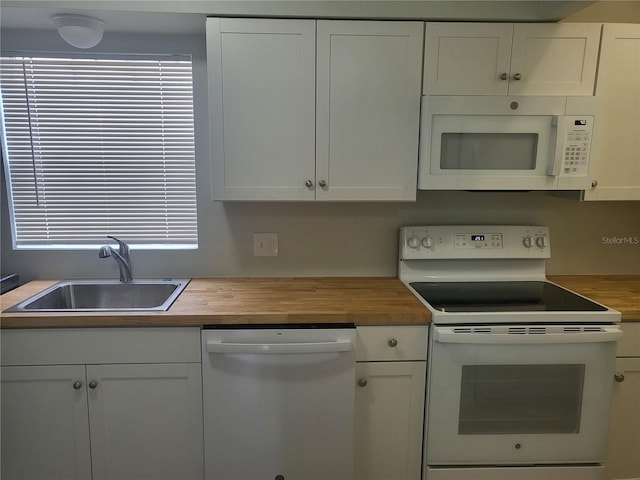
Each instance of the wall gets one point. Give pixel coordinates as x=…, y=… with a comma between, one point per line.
x=327, y=238
x=608, y=11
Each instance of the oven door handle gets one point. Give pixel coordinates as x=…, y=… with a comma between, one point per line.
x=449, y=335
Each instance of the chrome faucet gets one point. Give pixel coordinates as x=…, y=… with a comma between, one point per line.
x=121, y=257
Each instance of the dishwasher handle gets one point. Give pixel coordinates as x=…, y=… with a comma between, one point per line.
x=279, y=348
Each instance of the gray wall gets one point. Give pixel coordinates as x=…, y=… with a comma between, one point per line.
x=326, y=238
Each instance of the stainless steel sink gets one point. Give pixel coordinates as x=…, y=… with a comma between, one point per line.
x=104, y=295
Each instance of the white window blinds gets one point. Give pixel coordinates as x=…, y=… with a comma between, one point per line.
x=99, y=146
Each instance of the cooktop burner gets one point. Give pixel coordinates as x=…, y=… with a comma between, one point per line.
x=502, y=297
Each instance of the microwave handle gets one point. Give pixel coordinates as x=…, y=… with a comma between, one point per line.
x=560, y=125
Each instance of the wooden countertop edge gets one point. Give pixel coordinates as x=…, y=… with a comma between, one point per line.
x=398, y=307
x=199, y=321
x=620, y=292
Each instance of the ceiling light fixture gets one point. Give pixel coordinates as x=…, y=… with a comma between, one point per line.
x=79, y=30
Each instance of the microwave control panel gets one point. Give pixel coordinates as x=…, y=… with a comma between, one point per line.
x=575, y=144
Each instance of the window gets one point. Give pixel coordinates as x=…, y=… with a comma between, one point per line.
x=99, y=146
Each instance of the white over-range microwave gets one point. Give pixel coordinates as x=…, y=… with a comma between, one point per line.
x=506, y=143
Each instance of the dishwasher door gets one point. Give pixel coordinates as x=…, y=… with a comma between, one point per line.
x=279, y=403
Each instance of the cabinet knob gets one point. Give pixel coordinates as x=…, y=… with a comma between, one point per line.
x=393, y=342
x=594, y=184
x=77, y=385
x=322, y=183
x=517, y=76
x=93, y=384
x=309, y=183
x=504, y=76
x=362, y=382
x=619, y=377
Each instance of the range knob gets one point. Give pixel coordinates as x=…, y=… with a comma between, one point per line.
x=542, y=242
x=427, y=242
x=527, y=242
x=413, y=242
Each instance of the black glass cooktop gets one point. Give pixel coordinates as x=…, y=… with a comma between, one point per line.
x=502, y=297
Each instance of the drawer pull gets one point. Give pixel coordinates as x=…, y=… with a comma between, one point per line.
x=619, y=377
x=393, y=342
x=362, y=382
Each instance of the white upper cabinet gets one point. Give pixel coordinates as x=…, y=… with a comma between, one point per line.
x=368, y=109
x=510, y=59
x=262, y=108
x=300, y=115
x=467, y=58
x=554, y=59
x=615, y=158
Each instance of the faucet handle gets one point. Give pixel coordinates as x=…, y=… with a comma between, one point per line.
x=123, y=248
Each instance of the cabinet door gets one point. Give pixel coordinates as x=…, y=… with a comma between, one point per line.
x=368, y=109
x=146, y=421
x=622, y=460
x=615, y=164
x=262, y=108
x=45, y=432
x=389, y=420
x=467, y=58
x=554, y=59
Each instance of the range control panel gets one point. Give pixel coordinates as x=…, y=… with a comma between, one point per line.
x=478, y=240
x=474, y=241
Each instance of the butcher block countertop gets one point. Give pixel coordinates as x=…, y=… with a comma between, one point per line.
x=246, y=301
x=620, y=292
x=253, y=301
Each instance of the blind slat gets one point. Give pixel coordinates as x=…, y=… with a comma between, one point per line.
x=98, y=147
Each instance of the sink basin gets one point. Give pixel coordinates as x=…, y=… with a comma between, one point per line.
x=103, y=295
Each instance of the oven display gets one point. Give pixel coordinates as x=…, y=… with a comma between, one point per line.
x=478, y=240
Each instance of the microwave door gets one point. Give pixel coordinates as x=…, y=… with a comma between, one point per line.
x=513, y=152
x=490, y=152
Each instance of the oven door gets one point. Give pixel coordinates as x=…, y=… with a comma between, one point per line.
x=525, y=394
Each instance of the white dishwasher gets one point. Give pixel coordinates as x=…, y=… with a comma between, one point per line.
x=279, y=402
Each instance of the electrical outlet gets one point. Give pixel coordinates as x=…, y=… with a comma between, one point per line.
x=265, y=244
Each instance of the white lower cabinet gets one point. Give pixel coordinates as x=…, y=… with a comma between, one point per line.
x=101, y=420
x=124, y=404
x=390, y=375
x=623, y=461
x=45, y=432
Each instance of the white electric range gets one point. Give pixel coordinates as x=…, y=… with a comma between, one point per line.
x=520, y=369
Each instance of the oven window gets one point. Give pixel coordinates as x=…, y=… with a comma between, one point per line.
x=520, y=399
x=488, y=151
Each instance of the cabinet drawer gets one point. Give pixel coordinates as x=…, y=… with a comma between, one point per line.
x=629, y=344
x=72, y=346
x=389, y=343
